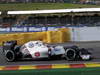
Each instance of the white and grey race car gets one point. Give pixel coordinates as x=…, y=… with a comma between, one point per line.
x=38, y=49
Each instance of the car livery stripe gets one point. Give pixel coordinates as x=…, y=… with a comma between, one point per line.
x=51, y=66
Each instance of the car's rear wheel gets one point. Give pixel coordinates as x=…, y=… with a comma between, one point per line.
x=10, y=55
x=70, y=54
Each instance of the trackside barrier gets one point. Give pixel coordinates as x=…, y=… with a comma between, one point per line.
x=85, y=34
x=35, y=36
x=54, y=37
x=65, y=34
x=60, y=36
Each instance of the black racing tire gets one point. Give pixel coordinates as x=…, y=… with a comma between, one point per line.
x=10, y=55
x=70, y=54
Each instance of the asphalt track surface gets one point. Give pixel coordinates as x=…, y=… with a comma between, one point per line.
x=93, y=46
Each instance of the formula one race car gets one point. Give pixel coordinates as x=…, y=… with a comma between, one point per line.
x=38, y=49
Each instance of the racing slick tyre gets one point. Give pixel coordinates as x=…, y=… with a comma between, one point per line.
x=10, y=55
x=70, y=54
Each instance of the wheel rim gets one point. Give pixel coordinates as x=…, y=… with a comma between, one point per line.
x=10, y=56
x=70, y=54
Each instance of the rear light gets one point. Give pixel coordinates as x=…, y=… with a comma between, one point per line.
x=37, y=54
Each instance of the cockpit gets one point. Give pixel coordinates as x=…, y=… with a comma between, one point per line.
x=36, y=43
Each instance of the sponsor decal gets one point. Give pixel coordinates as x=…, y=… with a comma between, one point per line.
x=31, y=29
x=4, y=29
x=18, y=29
x=37, y=54
x=52, y=28
x=28, y=29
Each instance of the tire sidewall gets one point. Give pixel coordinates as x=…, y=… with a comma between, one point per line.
x=13, y=54
x=67, y=52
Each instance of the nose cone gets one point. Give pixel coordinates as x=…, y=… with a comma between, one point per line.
x=85, y=57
